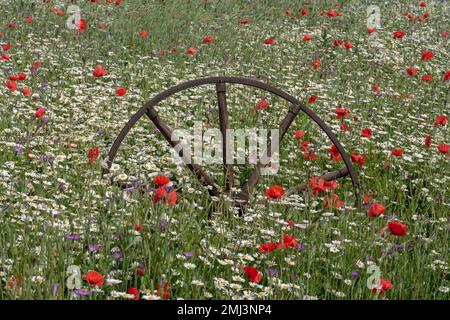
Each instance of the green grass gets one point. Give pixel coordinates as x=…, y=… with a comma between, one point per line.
x=48, y=191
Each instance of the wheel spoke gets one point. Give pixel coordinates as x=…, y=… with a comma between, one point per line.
x=332, y=175
x=226, y=142
x=244, y=195
x=201, y=175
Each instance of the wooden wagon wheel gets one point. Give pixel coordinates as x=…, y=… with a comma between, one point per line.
x=242, y=197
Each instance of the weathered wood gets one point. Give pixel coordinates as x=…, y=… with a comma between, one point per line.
x=332, y=175
x=195, y=168
x=226, y=143
x=248, y=186
x=242, y=198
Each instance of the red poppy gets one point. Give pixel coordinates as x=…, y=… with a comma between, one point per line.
x=341, y=112
x=93, y=154
x=191, y=51
x=399, y=34
x=376, y=88
x=82, y=25
x=367, y=198
x=348, y=45
x=447, y=76
x=410, y=16
x=208, y=39
x=335, y=202
x=299, y=134
x=134, y=291
x=143, y=34
x=26, y=92
x=334, y=153
x=358, y=158
x=161, y=180
x=21, y=76
x=36, y=65
x=95, y=278
x=338, y=42
x=261, y=105
x=172, y=198
x=345, y=127
x=397, y=152
x=268, y=247
x=427, y=55
x=253, y=274
x=5, y=57
x=287, y=12
x=376, y=210
x=6, y=47
x=99, y=71
x=244, y=21
x=383, y=286
x=412, y=71
x=60, y=13
x=443, y=148
x=423, y=4
x=307, y=37
x=40, y=112
x=29, y=19
x=310, y=156
x=305, y=145
x=427, y=77
x=316, y=64
x=269, y=41
x=440, y=120
x=397, y=228
x=312, y=99
x=165, y=290
x=331, y=13
x=428, y=141
x=13, y=77
x=121, y=91
x=275, y=192
x=304, y=12
x=366, y=133
x=371, y=30
x=320, y=185
x=11, y=85
x=160, y=194
x=288, y=242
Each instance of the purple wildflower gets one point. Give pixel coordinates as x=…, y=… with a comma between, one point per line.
x=18, y=149
x=81, y=292
x=73, y=236
x=93, y=247
x=162, y=225
x=55, y=288
x=271, y=272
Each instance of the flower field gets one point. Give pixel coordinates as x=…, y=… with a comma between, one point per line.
x=72, y=73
